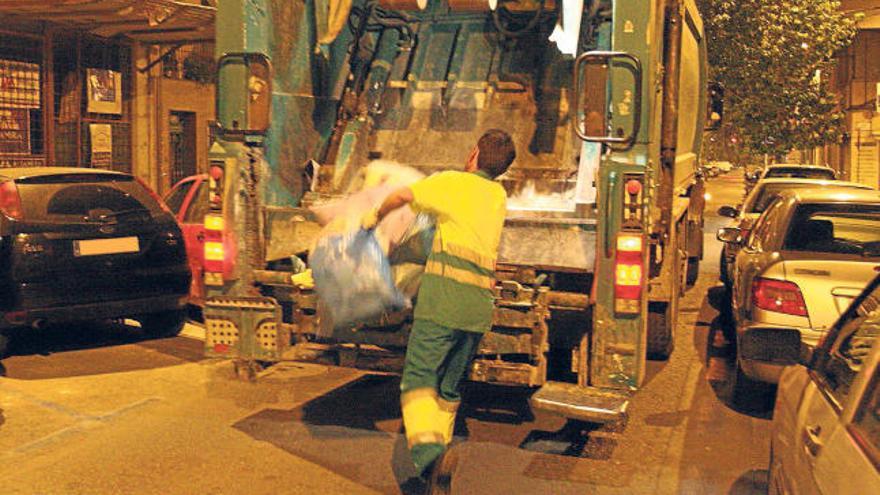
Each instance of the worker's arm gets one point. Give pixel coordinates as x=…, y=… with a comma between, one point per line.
x=395, y=200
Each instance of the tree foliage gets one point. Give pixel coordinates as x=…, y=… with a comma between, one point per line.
x=774, y=58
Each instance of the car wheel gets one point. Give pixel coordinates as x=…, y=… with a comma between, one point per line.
x=741, y=387
x=772, y=477
x=722, y=271
x=693, y=270
x=164, y=324
x=750, y=395
x=4, y=344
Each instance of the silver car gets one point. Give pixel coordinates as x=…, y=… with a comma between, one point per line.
x=809, y=254
x=825, y=437
x=755, y=203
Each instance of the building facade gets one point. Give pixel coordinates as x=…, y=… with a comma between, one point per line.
x=857, y=80
x=117, y=84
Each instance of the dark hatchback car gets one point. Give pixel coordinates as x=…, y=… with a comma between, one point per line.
x=86, y=244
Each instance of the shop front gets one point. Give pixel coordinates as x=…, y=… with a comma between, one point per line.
x=81, y=84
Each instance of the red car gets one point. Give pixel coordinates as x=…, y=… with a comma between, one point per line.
x=188, y=200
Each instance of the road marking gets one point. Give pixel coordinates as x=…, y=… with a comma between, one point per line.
x=85, y=422
x=668, y=475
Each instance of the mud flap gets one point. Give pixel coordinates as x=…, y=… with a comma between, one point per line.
x=245, y=328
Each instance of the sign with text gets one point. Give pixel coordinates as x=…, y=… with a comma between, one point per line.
x=19, y=84
x=102, y=145
x=23, y=161
x=15, y=131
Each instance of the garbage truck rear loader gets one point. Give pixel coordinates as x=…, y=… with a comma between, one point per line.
x=604, y=226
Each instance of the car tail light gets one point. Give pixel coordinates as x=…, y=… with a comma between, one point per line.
x=628, y=273
x=779, y=296
x=153, y=195
x=16, y=317
x=10, y=200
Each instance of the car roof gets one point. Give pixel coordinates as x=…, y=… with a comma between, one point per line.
x=798, y=165
x=21, y=172
x=833, y=194
x=818, y=182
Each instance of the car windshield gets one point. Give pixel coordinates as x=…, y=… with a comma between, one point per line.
x=85, y=197
x=799, y=173
x=848, y=229
x=764, y=194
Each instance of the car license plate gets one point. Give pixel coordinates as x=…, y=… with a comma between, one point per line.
x=95, y=247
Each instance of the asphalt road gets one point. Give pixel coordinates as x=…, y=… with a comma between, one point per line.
x=98, y=409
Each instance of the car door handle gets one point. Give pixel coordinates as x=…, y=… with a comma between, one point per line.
x=200, y=237
x=812, y=442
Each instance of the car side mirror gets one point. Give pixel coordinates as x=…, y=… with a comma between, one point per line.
x=728, y=211
x=774, y=345
x=729, y=235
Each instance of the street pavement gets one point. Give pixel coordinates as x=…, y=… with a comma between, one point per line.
x=97, y=409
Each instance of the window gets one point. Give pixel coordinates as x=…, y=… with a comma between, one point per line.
x=176, y=197
x=800, y=173
x=764, y=196
x=849, y=229
x=85, y=197
x=762, y=227
x=851, y=346
x=198, y=206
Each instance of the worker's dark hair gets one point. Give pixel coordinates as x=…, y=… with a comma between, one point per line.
x=497, y=152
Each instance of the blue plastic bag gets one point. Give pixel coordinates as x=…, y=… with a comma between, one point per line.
x=353, y=279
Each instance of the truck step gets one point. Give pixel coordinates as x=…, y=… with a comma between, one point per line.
x=582, y=403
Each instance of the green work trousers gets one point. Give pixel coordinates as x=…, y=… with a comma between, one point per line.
x=437, y=358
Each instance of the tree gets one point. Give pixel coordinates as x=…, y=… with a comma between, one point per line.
x=774, y=58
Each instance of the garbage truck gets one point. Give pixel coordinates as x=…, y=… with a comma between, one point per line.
x=606, y=101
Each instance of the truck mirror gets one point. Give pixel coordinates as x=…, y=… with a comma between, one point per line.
x=715, y=109
x=592, y=71
x=245, y=81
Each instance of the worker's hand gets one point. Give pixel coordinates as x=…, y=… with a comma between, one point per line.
x=370, y=219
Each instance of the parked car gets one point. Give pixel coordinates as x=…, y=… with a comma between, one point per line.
x=86, y=244
x=825, y=436
x=188, y=202
x=754, y=204
x=810, y=253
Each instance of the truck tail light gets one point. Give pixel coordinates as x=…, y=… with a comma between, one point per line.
x=217, y=253
x=10, y=200
x=779, y=296
x=628, y=273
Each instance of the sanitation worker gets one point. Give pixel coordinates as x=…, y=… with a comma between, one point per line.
x=455, y=301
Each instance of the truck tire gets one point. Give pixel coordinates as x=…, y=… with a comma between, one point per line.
x=722, y=271
x=4, y=344
x=660, y=333
x=163, y=324
x=693, y=270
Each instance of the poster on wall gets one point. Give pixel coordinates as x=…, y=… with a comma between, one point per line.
x=102, y=145
x=104, y=91
x=15, y=131
x=19, y=84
